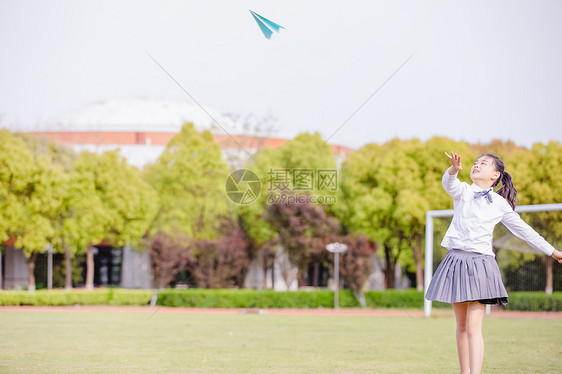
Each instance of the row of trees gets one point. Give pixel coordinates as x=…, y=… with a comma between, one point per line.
x=177, y=207
x=49, y=196
x=199, y=229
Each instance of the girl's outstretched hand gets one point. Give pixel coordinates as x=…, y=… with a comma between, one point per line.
x=557, y=255
x=455, y=161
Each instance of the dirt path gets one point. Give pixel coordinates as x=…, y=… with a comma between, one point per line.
x=303, y=312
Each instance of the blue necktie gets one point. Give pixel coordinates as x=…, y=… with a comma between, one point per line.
x=486, y=194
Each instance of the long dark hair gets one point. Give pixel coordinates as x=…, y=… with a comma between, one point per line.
x=507, y=190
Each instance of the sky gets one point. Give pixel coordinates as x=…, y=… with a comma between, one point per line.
x=478, y=70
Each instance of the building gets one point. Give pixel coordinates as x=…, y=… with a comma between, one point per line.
x=141, y=128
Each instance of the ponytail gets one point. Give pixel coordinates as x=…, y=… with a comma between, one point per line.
x=507, y=191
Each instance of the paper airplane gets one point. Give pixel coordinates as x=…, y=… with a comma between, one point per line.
x=266, y=26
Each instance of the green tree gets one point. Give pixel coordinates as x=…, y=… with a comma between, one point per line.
x=538, y=182
x=16, y=170
x=428, y=194
x=107, y=200
x=189, y=178
x=30, y=196
x=276, y=168
x=387, y=190
x=63, y=157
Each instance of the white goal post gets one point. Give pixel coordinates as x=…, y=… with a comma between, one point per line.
x=448, y=213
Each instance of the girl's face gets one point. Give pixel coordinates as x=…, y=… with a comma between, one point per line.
x=483, y=172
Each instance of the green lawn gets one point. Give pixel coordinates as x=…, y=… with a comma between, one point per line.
x=118, y=342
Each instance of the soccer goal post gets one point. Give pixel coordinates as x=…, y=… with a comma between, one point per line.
x=430, y=215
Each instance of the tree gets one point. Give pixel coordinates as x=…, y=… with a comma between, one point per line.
x=169, y=253
x=366, y=206
x=62, y=157
x=189, y=178
x=304, y=230
x=386, y=191
x=536, y=179
x=355, y=262
x=108, y=200
x=214, y=263
x=30, y=195
x=222, y=262
x=428, y=193
x=306, y=153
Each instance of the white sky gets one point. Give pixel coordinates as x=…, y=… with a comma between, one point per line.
x=482, y=70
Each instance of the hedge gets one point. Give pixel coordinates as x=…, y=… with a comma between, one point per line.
x=535, y=301
x=395, y=299
x=104, y=296
x=247, y=298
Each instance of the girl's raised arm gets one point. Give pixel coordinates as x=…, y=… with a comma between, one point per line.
x=450, y=182
x=455, y=161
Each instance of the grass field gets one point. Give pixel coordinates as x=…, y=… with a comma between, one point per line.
x=119, y=342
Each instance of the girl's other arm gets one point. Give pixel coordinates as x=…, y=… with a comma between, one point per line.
x=557, y=255
x=522, y=230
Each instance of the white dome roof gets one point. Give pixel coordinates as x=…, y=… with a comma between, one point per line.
x=139, y=115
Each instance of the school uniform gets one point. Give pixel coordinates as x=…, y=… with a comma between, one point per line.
x=469, y=271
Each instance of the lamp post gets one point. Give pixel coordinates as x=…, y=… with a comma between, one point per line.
x=50, y=267
x=336, y=248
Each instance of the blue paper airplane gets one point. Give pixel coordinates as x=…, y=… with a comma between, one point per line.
x=266, y=26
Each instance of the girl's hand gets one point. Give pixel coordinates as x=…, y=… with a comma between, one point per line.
x=557, y=255
x=455, y=161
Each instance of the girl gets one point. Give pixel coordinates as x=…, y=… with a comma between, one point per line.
x=469, y=277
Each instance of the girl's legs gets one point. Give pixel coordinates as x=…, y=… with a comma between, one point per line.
x=475, y=315
x=461, y=310
x=470, y=343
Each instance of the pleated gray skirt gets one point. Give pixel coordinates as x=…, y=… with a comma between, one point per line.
x=467, y=276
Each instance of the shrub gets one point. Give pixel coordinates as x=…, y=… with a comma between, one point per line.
x=76, y=297
x=206, y=298
x=535, y=301
x=398, y=299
